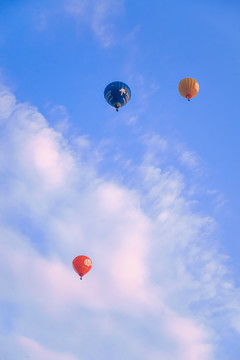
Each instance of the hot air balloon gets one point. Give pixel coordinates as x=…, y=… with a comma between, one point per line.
x=188, y=88
x=117, y=94
x=82, y=264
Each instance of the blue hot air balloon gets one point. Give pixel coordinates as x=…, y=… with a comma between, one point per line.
x=117, y=94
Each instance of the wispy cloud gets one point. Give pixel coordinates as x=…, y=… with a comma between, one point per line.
x=99, y=14
x=189, y=158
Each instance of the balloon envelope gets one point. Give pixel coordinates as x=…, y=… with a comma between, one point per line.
x=188, y=88
x=82, y=264
x=117, y=94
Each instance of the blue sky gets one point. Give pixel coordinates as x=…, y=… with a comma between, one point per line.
x=150, y=193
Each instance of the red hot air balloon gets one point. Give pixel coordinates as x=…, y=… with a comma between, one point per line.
x=82, y=264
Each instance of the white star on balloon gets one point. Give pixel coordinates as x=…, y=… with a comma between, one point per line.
x=122, y=91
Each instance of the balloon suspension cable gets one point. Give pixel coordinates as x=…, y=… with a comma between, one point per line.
x=116, y=109
x=188, y=99
x=80, y=277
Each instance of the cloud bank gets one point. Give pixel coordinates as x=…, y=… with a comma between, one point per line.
x=156, y=284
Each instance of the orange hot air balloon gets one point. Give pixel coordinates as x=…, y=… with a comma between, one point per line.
x=82, y=264
x=188, y=88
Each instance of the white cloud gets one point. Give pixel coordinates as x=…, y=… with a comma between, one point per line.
x=155, y=143
x=7, y=103
x=189, y=158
